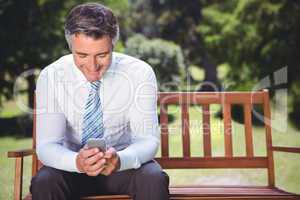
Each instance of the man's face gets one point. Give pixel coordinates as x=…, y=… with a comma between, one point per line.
x=91, y=56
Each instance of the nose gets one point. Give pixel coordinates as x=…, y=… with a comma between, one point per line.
x=93, y=64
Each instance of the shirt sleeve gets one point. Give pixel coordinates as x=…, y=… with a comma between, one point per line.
x=143, y=123
x=51, y=126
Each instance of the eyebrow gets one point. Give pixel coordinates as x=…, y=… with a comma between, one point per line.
x=85, y=54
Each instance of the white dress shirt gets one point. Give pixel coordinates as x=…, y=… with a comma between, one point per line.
x=128, y=93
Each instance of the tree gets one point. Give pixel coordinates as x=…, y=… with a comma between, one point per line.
x=177, y=21
x=255, y=38
x=32, y=36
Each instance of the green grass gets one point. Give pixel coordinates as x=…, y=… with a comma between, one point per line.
x=286, y=165
x=12, y=108
x=8, y=165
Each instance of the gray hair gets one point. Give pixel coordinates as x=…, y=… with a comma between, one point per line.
x=93, y=20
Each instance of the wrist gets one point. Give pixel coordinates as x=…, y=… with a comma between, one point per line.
x=78, y=164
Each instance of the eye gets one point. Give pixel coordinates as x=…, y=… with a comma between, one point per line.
x=82, y=56
x=103, y=55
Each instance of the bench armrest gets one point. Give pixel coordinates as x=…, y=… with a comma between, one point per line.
x=19, y=156
x=20, y=153
x=286, y=149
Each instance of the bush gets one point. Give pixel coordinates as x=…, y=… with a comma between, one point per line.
x=166, y=59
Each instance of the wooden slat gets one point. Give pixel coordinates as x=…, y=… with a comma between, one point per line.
x=248, y=129
x=164, y=130
x=227, y=130
x=18, y=178
x=20, y=153
x=206, y=130
x=267, y=121
x=235, y=197
x=106, y=197
x=35, y=168
x=227, y=191
x=211, y=97
x=286, y=149
x=213, y=162
x=34, y=124
x=34, y=158
x=215, y=192
x=185, y=130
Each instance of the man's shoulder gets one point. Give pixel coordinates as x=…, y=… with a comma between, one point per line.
x=59, y=64
x=131, y=64
x=57, y=69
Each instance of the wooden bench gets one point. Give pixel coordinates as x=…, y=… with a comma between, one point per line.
x=208, y=160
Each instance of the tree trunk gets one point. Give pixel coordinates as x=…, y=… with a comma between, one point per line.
x=210, y=82
x=31, y=88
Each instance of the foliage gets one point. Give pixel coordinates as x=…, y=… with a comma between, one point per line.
x=251, y=38
x=262, y=41
x=255, y=38
x=30, y=27
x=165, y=57
x=177, y=21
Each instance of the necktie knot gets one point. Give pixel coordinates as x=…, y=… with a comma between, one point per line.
x=95, y=86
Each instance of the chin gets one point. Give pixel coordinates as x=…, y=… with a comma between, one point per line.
x=94, y=77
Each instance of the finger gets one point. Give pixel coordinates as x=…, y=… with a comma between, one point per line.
x=86, y=153
x=100, y=164
x=107, y=171
x=110, y=153
x=95, y=173
x=93, y=159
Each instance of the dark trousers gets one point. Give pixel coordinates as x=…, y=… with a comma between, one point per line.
x=148, y=182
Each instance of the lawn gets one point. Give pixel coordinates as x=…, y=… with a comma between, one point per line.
x=7, y=165
x=286, y=164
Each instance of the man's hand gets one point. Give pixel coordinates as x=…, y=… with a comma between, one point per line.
x=91, y=161
x=112, y=161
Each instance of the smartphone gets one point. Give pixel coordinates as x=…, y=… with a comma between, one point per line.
x=97, y=142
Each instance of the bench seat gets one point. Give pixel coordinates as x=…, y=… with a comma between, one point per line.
x=214, y=192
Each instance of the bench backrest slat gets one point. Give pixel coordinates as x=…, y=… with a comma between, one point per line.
x=267, y=122
x=199, y=98
x=185, y=130
x=164, y=130
x=206, y=130
x=227, y=130
x=248, y=129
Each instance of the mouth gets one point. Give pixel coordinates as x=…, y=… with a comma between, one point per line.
x=97, y=71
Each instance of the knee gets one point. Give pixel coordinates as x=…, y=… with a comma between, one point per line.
x=153, y=176
x=45, y=180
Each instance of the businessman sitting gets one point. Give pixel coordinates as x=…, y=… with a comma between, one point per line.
x=97, y=93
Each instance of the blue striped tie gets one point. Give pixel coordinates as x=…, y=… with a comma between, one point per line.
x=93, y=116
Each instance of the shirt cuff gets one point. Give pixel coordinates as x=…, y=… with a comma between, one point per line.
x=128, y=160
x=70, y=161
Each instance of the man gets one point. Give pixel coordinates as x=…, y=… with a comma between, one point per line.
x=97, y=93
